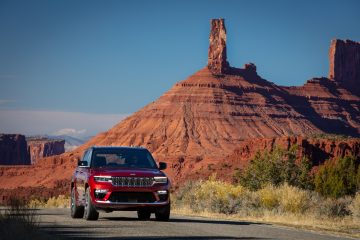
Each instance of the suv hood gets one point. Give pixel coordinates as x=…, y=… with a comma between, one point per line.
x=127, y=172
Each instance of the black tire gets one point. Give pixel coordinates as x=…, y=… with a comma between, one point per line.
x=144, y=215
x=90, y=212
x=76, y=211
x=163, y=213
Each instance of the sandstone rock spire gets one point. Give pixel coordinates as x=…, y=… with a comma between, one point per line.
x=344, y=56
x=217, y=63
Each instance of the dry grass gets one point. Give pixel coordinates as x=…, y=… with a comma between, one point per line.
x=285, y=205
x=60, y=201
x=340, y=226
x=355, y=206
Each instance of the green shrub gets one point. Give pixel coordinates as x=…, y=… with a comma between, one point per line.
x=338, y=177
x=276, y=167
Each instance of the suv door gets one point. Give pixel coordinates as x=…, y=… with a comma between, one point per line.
x=82, y=176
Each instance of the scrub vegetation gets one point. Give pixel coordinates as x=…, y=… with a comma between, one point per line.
x=278, y=187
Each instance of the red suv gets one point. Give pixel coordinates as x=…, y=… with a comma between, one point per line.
x=119, y=178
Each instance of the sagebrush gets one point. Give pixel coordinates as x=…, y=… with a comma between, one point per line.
x=220, y=197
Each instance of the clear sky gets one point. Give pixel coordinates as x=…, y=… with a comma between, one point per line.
x=110, y=58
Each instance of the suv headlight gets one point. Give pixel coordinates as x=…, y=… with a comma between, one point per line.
x=103, y=178
x=162, y=180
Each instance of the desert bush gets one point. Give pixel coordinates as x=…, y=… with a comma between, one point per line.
x=293, y=199
x=269, y=197
x=18, y=221
x=275, y=168
x=354, y=207
x=60, y=201
x=338, y=177
x=330, y=207
x=211, y=195
x=284, y=199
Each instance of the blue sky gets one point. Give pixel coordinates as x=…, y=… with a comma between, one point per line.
x=110, y=58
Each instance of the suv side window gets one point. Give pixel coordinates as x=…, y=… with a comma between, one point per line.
x=86, y=157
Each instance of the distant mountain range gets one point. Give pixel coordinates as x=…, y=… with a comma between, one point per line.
x=71, y=142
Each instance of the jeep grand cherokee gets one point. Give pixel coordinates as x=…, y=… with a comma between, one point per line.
x=119, y=178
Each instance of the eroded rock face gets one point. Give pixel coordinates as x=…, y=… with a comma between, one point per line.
x=344, y=56
x=329, y=105
x=13, y=150
x=43, y=147
x=317, y=149
x=217, y=62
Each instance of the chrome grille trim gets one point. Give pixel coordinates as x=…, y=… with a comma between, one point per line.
x=132, y=181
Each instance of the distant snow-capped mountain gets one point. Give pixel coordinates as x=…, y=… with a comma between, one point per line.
x=72, y=142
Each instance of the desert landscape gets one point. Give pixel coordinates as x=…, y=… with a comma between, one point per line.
x=215, y=130
x=222, y=114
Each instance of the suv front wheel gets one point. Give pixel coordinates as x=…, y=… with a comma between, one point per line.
x=90, y=212
x=163, y=213
x=76, y=211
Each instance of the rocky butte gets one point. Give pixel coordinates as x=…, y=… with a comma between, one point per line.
x=215, y=113
x=13, y=150
x=344, y=64
x=44, y=147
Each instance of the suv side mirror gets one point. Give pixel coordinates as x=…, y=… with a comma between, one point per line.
x=82, y=163
x=162, y=165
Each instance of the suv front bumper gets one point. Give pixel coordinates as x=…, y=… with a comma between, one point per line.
x=127, y=205
x=131, y=198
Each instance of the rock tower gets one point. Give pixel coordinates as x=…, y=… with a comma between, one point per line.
x=217, y=62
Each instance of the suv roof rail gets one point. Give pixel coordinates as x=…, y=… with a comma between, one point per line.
x=132, y=146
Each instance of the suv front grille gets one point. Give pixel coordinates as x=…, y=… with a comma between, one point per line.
x=132, y=181
x=132, y=197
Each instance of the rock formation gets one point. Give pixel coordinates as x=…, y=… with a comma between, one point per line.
x=317, y=149
x=205, y=118
x=44, y=147
x=13, y=150
x=344, y=59
x=217, y=62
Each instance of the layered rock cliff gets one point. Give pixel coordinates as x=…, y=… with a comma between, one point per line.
x=44, y=147
x=13, y=150
x=317, y=149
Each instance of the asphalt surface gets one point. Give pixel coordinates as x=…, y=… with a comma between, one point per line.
x=125, y=225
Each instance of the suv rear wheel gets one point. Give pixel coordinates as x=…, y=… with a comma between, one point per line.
x=76, y=211
x=163, y=213
x=144, y=214
x=90, y=212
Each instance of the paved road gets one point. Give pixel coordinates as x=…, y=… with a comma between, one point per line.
x=124, y=225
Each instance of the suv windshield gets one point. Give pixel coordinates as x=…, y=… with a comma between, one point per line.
x=122, y=157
